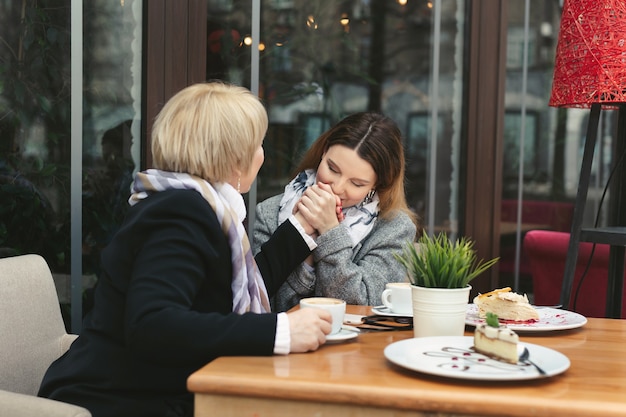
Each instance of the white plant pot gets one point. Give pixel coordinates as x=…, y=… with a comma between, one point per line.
x=439, y=311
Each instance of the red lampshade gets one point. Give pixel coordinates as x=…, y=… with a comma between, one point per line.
x=590, y=64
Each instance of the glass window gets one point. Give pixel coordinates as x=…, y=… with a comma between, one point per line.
x=111, y=119
x=530, y=183
x=36, y=130
x=322, y=60
x=543, y=146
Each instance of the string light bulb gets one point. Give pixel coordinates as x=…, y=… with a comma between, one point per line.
x=345, y=20
x=311, y=23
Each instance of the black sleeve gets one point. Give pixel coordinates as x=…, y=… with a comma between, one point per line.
x=178, y=304
x=280, y=255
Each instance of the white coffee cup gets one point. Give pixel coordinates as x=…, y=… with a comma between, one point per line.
x=397, y=298
x=335, y=306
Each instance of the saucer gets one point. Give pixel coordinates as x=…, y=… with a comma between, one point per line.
x=341, y=336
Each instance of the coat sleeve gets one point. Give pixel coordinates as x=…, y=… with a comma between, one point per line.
x=359, y=275
x=356, y=274
x=284, y=251
x=177, y=299
x=278, y=249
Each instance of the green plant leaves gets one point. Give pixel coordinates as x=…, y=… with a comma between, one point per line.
x=437, y=262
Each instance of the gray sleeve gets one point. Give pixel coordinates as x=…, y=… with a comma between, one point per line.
x=359, y=275
x=300, y=284
x=266, y=222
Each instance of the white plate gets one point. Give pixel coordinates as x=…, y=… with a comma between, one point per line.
x=452, y=356
x=385, y=311
x=341, y=336
x=549, y=319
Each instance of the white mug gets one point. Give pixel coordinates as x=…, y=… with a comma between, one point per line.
x=397, y=298
x=335, y=306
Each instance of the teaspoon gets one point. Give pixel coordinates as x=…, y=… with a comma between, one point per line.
x=524, y=358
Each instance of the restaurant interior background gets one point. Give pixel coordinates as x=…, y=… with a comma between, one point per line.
x=467, y=81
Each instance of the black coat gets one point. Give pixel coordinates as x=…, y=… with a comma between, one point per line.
x=163, y=309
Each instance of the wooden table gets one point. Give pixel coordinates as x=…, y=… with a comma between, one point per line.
x=355, y=379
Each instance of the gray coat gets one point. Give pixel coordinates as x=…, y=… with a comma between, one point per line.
x=357, y=275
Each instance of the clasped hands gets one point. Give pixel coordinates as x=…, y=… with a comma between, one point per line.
x=318, y=209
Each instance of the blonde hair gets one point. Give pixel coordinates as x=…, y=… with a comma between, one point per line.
x=209, y=130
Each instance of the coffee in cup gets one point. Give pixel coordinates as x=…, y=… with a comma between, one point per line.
x=335, y=306
x=397, y=298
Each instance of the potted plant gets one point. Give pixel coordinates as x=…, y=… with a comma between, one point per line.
x=440, y=271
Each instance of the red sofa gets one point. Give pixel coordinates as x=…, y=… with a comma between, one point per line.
x=546, y=251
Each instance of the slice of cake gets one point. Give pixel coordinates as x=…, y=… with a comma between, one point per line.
x=507, y=305
x=496, y=341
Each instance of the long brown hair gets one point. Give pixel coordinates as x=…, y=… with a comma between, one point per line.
x=376, y=139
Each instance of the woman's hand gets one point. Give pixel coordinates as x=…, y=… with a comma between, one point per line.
x=308, y=327
x=320, y=207
x=308, y=229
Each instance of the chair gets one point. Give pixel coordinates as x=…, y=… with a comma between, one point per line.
x=555, y=215
x=547, y=252
x=32, y=337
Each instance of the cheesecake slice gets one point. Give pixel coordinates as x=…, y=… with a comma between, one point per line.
x=496, y=341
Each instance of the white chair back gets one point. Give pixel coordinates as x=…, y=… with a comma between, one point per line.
x=32, y=333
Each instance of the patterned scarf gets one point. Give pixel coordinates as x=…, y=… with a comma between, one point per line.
x=359, y=219
x=249, y=292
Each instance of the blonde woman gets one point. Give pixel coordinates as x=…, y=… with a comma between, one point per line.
x=351, y=182
x=179, y=285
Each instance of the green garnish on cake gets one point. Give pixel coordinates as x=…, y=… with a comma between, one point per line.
x=492, y=320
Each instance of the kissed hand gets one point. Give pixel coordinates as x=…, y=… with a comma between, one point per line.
x=320, y=207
